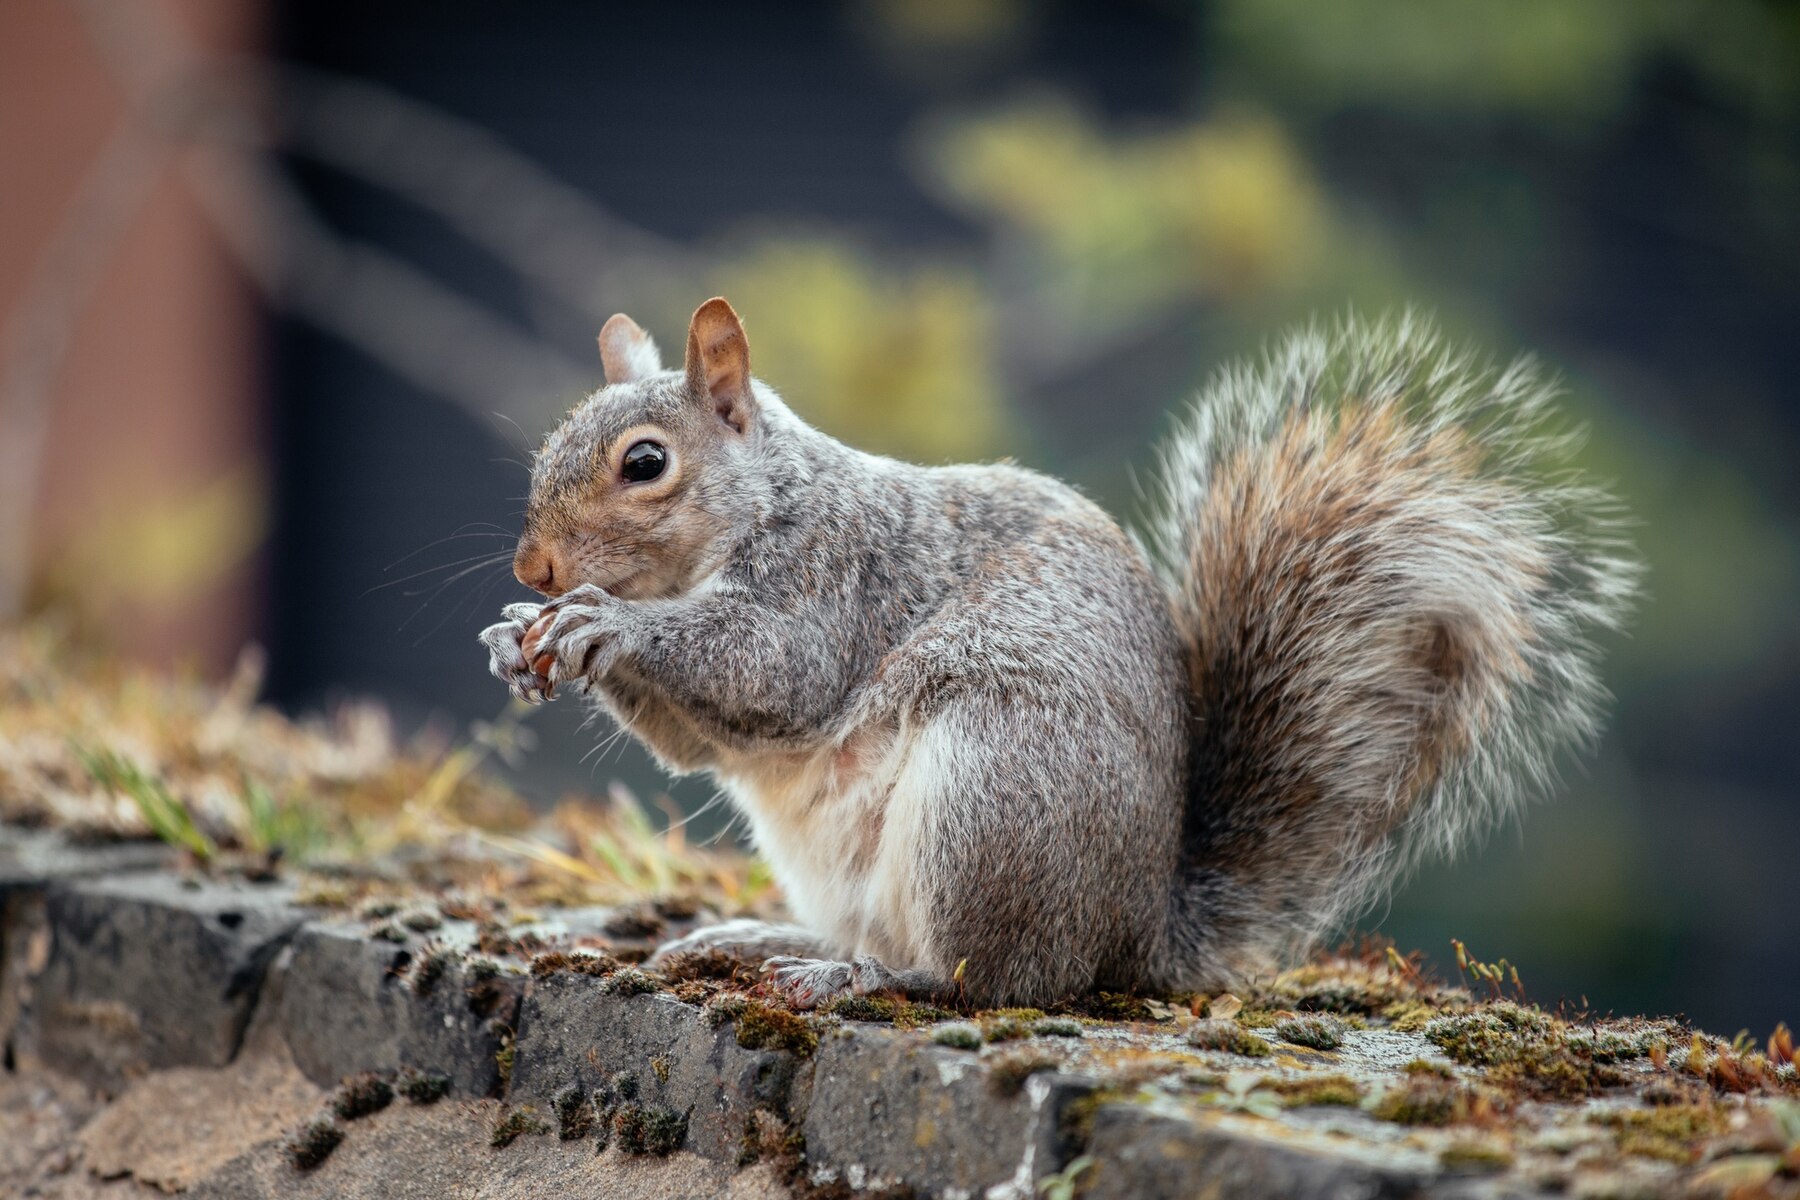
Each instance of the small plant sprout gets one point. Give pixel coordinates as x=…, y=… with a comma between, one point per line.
x=1061, y=1186
x=1497, y=975
x=166, y=815
x=1242, y=1094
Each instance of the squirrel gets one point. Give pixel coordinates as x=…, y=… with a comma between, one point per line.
x=996, y=749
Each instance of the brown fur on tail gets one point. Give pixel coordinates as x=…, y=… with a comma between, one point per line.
x=1388, y=583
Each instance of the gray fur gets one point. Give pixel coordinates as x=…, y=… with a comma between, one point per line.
x=989, y=750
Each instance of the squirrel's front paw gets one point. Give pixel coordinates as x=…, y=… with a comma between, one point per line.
x=507, y=660
x=573, y=637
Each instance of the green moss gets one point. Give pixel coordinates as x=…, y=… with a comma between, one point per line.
x=422, y=1088
x=505, y=1057
x=421, y=920
x=1107, y=1006
x=430, y=969
x=1672, y=1133
x=1425, y=1066
x=641, y=1129
x=761, y=1027
x=1475, y=1156
x=1317, y=1033
x=1227, y=1036
x=1004, y=1029
x=1319, y=1090
x=631, y=981
x=1526, y=1050
x=360, y=1095
x=516, y=1124
x=574, y=1115
x=1409, y=1016
x=962, y=1036
x=313, y=1143
x=724, y=1007
x=1015, y=1014
x=557, y=962
x=903, y=1014
x=1057, y=1027
x=714, y=965
x=1261, y=1018
x=1426, y=1100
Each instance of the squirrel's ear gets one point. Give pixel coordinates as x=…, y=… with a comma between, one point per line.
x=718, y=362
x=626, y=351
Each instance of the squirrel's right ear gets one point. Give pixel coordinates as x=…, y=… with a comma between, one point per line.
x=718, y=363
x=626, y=351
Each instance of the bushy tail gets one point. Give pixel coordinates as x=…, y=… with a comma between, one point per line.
x=1389, y=578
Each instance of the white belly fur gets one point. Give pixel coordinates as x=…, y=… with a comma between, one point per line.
x=842, y=829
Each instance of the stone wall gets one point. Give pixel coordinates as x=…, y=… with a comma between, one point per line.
x=165, y=1030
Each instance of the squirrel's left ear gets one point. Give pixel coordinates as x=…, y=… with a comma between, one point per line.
x=626, y=351
x=718, y=363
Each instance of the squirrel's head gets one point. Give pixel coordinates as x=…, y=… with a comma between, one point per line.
x=645, y=484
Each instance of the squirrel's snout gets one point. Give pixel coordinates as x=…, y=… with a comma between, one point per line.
x=537, y=568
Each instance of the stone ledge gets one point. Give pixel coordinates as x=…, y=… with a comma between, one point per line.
x=164, y=991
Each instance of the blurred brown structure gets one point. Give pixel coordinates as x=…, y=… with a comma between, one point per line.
x=130, y=410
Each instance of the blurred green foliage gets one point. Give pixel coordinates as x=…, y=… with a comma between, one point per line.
x=894, y=359
x=1559, y=61
x=1212, y=209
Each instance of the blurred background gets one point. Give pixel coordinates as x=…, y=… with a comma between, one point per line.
x=289, y=291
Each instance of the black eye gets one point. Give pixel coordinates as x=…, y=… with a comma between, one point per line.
x=643, y=462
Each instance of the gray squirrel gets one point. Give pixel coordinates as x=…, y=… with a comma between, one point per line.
x=994, y=748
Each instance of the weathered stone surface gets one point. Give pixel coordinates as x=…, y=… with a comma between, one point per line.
x=31, y=858
x=353, y=1003
x=41, y=1112
x=572, y=1033
x=1142, y=1153
x=442, y=1151
x=146, y=971
x=173, y=1128
x=891, y=1106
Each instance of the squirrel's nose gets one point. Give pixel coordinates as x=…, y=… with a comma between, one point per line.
x=536, y=567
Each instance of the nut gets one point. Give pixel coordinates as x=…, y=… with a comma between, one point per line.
x=529, y=646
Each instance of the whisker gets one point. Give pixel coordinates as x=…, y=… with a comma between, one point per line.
x=480, y=560
x=449, y=537
x=438, y=590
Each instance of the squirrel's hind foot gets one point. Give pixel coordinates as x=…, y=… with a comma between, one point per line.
x=815, y=983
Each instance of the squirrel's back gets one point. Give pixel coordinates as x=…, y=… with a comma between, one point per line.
x=1388, y=581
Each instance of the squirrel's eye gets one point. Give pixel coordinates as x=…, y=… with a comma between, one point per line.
x=643, y=462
